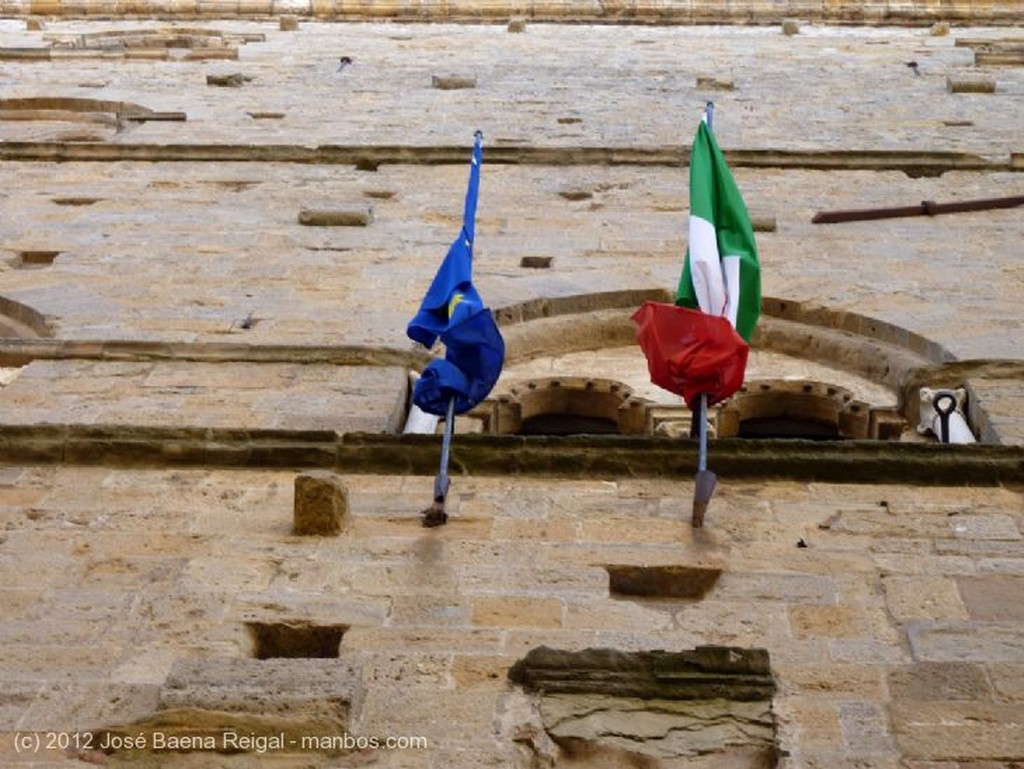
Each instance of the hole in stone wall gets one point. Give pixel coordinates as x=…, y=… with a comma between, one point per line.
x=76, y=201
x=568, y=424
x=789, y=427
x=536, y=262
x=677, y=581
x=30, y=259
x=276, y=640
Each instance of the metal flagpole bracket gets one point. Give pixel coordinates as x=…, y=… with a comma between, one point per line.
x=436, y=515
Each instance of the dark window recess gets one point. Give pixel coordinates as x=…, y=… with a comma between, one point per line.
x=295, y=640
x=679, y=582
x=37, y=258
x=773, y=427
x=568, y=424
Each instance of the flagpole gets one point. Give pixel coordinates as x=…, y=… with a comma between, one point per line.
x=454, y=312
x=436, y=515
x=704, y=484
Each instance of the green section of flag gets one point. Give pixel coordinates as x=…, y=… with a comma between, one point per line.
x=721, y=273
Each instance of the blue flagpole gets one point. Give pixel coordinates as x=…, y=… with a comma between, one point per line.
x=436, y=515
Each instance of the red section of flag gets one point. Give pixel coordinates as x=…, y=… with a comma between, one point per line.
x=690, y=353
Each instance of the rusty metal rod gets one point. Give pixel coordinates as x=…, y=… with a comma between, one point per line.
x=925, y=208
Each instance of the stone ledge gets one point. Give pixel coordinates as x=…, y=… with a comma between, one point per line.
x=18, y=352
x=867, y=12
x=912, y=163
x=707, y=672
x=510, y=455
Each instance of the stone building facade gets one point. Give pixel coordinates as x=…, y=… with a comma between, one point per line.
x=216, y=219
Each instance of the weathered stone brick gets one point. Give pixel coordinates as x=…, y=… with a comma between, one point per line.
x=959, y=731
x=940, y=682
x=923, y=598
x=517, y=611
x=966, y=642
x=827, y=621
x=321, y=504
x=993, y=598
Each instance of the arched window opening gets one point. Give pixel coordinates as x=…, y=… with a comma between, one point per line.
x=568, y=406
x=776, y=408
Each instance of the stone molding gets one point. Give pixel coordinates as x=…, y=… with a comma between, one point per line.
x=509, y=455
x=707, y=672
x=370, y=157
x=912, y=12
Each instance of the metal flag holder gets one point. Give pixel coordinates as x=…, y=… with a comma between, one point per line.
x=436, y=515
x=704, y=483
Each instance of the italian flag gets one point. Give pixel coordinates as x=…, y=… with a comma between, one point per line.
x=721, y=275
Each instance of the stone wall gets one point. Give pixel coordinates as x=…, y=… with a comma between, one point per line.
x=192, y=348
x=177, y=601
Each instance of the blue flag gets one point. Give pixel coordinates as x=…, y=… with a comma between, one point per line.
x=453, y=311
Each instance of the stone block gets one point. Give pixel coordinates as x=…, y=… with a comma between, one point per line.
x=959, y=731
x=704, y=673
x=452, y=82
x=283, y=686
x=939, y=682
x=998, y=58
x=923, y=597
x=474, y=670
x=534, y=529
x=208, y=54
x=517, y=611
x=993, y=598
x=228, y=706
x=288, y=23
x=614, y=731
x=790, y=27
x=966, y=642
x=45, y=7
x=618, y=616
x=232, y=80
x=1008, y=681
x=714, y=83
x=815, y=718
x=321, y=504
x=826, y=621
x=970, y=84
x=517, y=24
x=847, y=681
x=344, y=216
x=865, y=727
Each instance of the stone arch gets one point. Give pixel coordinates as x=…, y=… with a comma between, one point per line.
x=867, y=346
x=566, y=406
x=785, y=408
x=74, y=109
x=20, y=321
